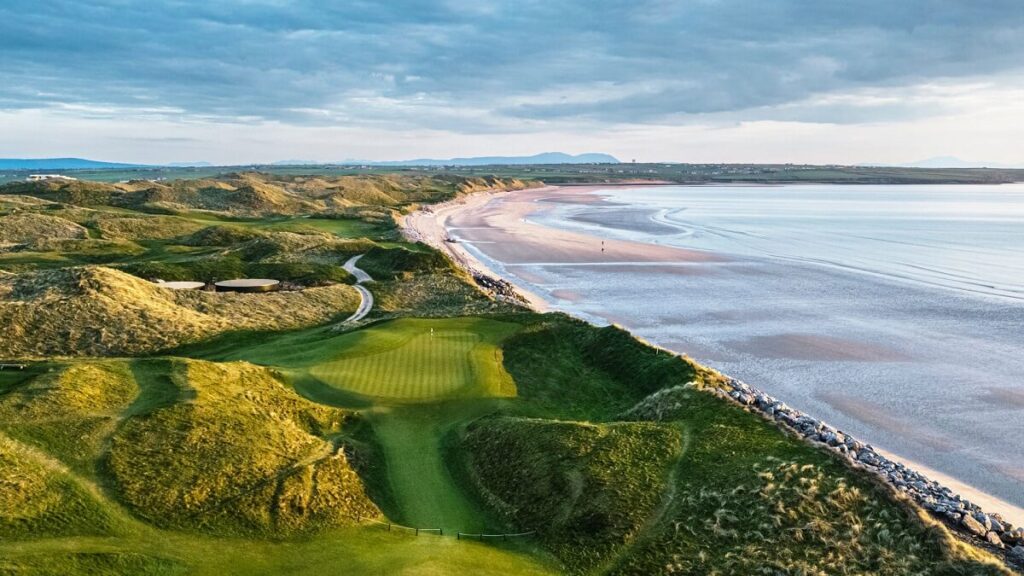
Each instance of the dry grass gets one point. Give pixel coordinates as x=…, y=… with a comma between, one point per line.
x=69, y=412
x=143, y=227
x=38, y=498
x=255, y=194
x=98, y=311
x=243, y=455
x=28, y=228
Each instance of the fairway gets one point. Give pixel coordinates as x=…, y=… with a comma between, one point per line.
x=420, y=359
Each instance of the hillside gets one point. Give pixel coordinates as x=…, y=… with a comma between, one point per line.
x=95, y=311
x=255, y=194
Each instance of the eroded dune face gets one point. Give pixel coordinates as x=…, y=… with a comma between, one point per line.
x=97, y=311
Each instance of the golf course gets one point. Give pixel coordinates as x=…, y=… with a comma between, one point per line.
x=450, y=430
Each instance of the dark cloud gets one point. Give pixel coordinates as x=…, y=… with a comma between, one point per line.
x=436, y=64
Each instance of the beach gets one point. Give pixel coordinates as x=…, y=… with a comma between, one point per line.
x=587, y=251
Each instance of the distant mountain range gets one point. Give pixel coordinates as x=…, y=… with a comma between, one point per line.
x=947, y=162
x=58, y=164
x=545, y=158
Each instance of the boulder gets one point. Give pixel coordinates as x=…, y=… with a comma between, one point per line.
x=993, y=539
x=973, y=526
x=1016, y=555
x=984, y=520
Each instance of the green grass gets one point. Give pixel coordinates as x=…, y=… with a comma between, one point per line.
x=362, y=550
x=397, y=360
x=586, y=489
x=418, y=359
x=721, y=513
x=425, y=493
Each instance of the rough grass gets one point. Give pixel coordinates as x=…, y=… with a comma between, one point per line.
x=70, y=411
x=586, y=489
x=88, y=563
x=39, y=498
x=99, y=311
x=421, y=359
x=439, y=294
x=565, y=368
x=243, y=455
x=388, y=263
x=254, y=194
x=30, y=227
x=746, y=498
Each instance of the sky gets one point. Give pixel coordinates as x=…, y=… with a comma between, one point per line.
x=242, y=81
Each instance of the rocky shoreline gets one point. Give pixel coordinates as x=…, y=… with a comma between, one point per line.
x=988, y=529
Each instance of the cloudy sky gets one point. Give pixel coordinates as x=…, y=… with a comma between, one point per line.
x=237, y=81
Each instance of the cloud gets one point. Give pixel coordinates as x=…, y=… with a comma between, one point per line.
x=495, y=65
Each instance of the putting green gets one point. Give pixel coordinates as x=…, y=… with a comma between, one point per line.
x=423, y=359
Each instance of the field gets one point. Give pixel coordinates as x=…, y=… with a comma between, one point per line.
x=166, y=433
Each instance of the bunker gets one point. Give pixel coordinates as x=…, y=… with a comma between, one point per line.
x=247, y=285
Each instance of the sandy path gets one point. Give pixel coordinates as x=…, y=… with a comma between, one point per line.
x=366, y=297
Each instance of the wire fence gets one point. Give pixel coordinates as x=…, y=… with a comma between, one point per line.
x=392, y=527
x=481, y=537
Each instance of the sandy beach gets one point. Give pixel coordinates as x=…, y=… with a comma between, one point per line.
x=498, y=234
x=500, y=220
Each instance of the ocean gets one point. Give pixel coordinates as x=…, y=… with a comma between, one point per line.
x=895, y=313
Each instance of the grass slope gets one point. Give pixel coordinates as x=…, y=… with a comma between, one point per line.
x=744, y=497
x=267, y=465
x=99, y=311
x=586, y=489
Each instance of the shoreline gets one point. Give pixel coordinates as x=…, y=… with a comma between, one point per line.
x=431, y=225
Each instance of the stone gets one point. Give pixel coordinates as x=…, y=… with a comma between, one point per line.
x=983, y=519
x=995, y=525
x=973, y=526
x=1017, y=555
x=993, y=539
x=1014, y=536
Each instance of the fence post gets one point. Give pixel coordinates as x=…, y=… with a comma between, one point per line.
x=417, y=531
x=389, y=526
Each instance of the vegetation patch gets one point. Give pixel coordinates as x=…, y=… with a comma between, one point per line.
x=243, y=455
x=566, y=368
x=100, y=311
x=70, y=411
x=389, y=263
x=38, y=498
x=88, y=563
x=586, y=489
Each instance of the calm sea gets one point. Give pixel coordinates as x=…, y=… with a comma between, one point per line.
x=893, y=312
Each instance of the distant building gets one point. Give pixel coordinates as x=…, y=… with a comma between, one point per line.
x=41, y=177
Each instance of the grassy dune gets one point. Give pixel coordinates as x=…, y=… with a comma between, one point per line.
x=99, y=311
x=742, y=499
x=587, y=489
x=267, y=464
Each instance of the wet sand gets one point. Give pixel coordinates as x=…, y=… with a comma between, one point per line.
x=504, y=234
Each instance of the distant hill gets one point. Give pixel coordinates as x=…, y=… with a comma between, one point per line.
x=58, y=164
x=545, y=158
x=948, y=162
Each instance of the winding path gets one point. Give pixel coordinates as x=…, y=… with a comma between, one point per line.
x=366, y=304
